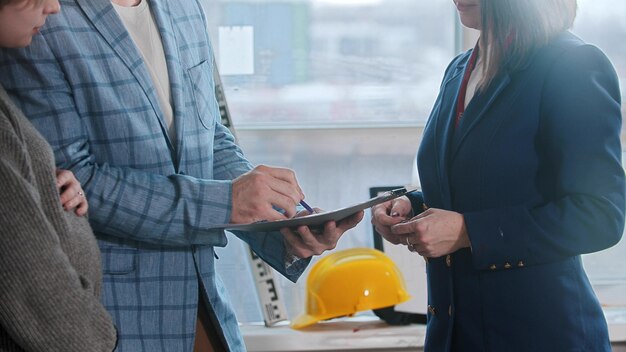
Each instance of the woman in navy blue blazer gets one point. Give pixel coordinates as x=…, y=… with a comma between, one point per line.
x=520, y=167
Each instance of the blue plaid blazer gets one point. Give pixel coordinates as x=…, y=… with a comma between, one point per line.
x=85, y=86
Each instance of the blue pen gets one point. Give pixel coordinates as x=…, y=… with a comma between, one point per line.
x=307, y=207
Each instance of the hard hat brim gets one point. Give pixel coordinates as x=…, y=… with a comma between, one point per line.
x=303, y=321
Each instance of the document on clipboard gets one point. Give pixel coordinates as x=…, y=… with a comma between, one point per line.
x=314, y=220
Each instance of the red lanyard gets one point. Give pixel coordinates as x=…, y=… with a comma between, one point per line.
x=460, y=104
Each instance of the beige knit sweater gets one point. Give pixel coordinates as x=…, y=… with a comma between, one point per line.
x=49, y=261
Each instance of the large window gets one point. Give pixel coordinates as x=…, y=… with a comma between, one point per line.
x=334, y=89
x=338, y=91
x=321, y=63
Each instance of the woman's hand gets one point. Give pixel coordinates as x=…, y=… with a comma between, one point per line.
x=388, y=214
x=71, y=192
x=433, y=233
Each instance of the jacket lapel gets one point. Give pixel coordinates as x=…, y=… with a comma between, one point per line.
x=444, y=130
x=164, y=21
x=104, y=18
x=477, y=109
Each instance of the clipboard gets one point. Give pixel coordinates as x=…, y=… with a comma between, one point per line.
x=314, y=220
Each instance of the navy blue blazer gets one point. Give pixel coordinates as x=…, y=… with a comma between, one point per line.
x=535, y=168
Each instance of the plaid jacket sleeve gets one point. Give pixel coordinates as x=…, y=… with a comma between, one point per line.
x=100, y=126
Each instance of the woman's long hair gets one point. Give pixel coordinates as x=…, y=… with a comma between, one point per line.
x=512, y=29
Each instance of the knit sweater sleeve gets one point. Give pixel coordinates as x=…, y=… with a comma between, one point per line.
x=44, y=305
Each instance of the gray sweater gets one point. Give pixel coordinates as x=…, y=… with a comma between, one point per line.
x=49, y=261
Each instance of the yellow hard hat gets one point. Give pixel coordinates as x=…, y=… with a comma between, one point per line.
x=348, y=281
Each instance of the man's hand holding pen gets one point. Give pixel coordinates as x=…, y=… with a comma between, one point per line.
x=261, y=193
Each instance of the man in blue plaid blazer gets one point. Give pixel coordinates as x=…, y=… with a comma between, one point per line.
x=86, y=87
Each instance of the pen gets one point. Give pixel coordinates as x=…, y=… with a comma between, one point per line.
x=307, y=207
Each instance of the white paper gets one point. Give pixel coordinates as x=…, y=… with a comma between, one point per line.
x=236, y=50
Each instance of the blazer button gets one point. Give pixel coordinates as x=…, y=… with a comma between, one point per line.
x=520, y=264
x=492, y=267
x=507, y=265
x=448, y=260
x=450, y=310
x=432, y=310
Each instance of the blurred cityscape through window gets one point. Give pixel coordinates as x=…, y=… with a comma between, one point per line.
x=337, y=62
